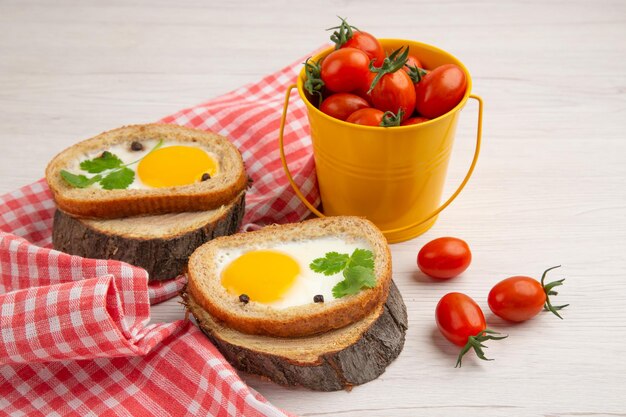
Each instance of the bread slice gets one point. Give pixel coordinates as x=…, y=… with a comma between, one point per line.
x=338, y=359
x=301, y=320
x=160, y=244
x=94, y=202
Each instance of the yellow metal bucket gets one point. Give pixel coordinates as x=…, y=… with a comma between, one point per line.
x=392, y=176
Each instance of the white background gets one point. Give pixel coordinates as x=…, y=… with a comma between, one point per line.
x=550, y=187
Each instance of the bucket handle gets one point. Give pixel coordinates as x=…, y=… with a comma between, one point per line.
x=296, y=189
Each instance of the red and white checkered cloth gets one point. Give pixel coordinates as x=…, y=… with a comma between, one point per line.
x=74, y=331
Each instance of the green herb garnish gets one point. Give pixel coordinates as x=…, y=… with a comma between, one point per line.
x=358, y=270
x=119, y=179
x=79, y=181
x=118, y=175
x=105, y=161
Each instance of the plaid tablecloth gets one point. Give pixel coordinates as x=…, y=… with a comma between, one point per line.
x=74, y=331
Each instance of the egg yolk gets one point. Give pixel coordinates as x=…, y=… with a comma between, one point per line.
x=263, y=275
x=175, y=165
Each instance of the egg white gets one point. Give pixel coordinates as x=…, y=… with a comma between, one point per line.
x=308, y=283
x=127, y=155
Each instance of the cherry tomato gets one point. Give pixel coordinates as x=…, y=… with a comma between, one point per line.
x=394, y=91
x=342, y=105
x=414, y=121
x=345, y=70
x=517, y=298
x=459, y=317
x=521, y=298
x=368, y=44
x=412, y=62
x=462, y=322
x=440, y=90
x=367, y=117
x=444, y=258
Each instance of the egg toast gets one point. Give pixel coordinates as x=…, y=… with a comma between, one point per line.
x=146, y=169
x=293, y=280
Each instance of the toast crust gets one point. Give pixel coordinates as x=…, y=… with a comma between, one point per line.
x=108, y=204
x=298, y=321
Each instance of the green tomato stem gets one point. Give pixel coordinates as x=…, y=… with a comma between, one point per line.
x=475, y=342
x=344, y=33
x=313, y=83
x=547, y=288
x=390, y=119
x=392, y=63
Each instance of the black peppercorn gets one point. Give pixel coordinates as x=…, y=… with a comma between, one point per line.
x=205, y=176
x=244, y=298
x=136, y=146
x=319, y=298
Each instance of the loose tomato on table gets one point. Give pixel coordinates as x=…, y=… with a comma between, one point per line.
x=521, y=298
x=444, y=258
x=345, y=70
x=391, y=88
x=440, y=90
x=462, y=322
x=347, y=36
x=342, y=105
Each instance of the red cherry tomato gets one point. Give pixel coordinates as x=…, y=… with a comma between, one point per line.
x=368, y=44
x=366, y=117
x=342, y=105
x=462, y=322
x=517, y=298
x=444, y=258
x=345, y=70
x=412, y=62
x=459, y=317
x=521, y=298
x=440, y=90
x=394, y=91
x=414, y=121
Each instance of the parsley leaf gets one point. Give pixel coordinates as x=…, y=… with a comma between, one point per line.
x=356, y=278
x=358, y=270
x=105, y=161
x=346, y=287
x=118, y=179
x=330, y=264
x=361, y=274
x=362, y=257
x=78, y=181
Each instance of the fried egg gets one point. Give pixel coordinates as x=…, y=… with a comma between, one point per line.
x=172, y=164
x=279, y=276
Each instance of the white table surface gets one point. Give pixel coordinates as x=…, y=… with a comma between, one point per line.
x=550, y=187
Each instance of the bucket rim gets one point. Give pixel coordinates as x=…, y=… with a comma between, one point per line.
x=385, y=42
